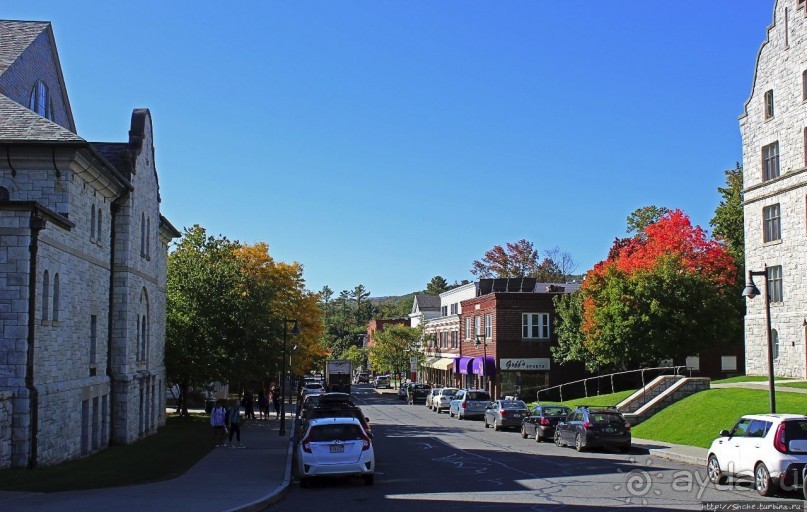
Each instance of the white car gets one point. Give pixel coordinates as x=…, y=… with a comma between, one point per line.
x=442, y=399
x=312, y=388
x=335, y=447
x=770, y=448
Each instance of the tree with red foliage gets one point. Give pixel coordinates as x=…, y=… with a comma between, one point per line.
x=662, y=294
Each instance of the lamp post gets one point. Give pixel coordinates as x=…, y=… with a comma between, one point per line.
x=752, y=291
x=295, y=330
x=480, y=340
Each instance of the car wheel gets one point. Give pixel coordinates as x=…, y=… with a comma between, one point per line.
x=523, y=433
x=762, y=481
x=578, y=443
x=368, y=479
x=558, y=440
x=713, y=471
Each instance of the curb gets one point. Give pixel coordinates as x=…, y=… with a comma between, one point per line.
x=276, y=494
x=678, y=457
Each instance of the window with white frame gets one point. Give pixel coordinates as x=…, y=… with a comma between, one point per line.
x=535, y=326
x=468, y=328
x=477, y=325
x=455, y=308
x=775, y=283
x=772, y=223
x=488, y=326
x=775, y=343
x=444, y=310
x=769, y=104
x=455, y=336
x=770, y=161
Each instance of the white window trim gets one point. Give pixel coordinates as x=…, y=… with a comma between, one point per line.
x=526, y=321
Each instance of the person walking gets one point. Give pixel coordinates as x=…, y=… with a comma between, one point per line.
x=234, y=424
x=263, y=405
x=275, y=402
x=217, y=422
x=249, y=404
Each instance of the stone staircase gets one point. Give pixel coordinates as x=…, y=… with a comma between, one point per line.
x=658, y=394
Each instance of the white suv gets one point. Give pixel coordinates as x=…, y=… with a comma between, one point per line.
x=771, y=448
x=442, y=399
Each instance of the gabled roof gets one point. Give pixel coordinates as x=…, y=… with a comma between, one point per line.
x=426, y=302
x=118, y=154
x=20, y=124
x=16, y=37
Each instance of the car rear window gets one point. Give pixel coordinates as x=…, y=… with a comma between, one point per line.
x=448, y=391
x=513, y=404
x=555, y=411
x=795, y=430
x=605, y=417
x=478, y=395
x=335, y=433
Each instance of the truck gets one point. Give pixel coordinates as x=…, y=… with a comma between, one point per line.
x=338, y=374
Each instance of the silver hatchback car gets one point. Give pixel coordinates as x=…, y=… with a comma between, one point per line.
x=469, y=403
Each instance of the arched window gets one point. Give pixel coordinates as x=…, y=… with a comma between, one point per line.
x=138, y=337
x=4, y=194
x=56, y=297
x=40, y=101
x=92, y=222
x=775, y=343
x=98, y=231
x=143, y=341
x=45, y=295
x=148, y=237
x=142, y=234
x=143, y=326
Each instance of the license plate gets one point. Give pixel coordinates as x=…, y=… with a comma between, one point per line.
x=516, y=415
x=337, y=448
x=610, y=430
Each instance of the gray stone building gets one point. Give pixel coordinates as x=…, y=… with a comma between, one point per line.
x=774, y=133
x=83, y=252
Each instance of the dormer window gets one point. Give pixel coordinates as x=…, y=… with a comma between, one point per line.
x=40, y=100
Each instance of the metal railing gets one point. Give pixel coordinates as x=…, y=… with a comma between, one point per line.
x=677, y=370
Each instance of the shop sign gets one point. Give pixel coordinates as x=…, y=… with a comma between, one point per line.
x=524, y=364
x=413, y=364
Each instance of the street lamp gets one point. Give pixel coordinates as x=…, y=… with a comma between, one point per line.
x=752, y=291
x=295, y=330
x=480, y=340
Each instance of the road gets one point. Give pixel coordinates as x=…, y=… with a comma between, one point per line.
x=430, y=462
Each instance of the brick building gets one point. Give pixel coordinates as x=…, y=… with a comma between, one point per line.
x=774, y=132
x=506, y=333
x=442, y=336
x=83, y=250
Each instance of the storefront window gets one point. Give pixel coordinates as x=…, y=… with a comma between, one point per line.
x=523, y=384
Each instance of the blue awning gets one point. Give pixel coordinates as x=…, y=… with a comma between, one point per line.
x=489, y=366
x=462, y=365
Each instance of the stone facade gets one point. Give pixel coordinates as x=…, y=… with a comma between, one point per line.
x=775, y=116
x=83, y=251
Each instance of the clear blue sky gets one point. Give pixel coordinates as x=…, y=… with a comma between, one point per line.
x=383, y=143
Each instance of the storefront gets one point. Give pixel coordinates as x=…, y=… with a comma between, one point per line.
x=463, y=372
x=485, y=371
x=523, y=377
x=438, y=371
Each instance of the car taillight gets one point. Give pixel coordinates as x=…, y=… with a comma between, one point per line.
x=544, y=421
x=627, y=426
x=587, y=425
x=365, y=442
x=464, y=405
x=504, y=414
x=779, y=439
x=306, y=444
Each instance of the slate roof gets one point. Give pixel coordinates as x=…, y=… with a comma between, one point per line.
x=20, y=124
x=17, y=36
x=427, y=302
x=118, y=154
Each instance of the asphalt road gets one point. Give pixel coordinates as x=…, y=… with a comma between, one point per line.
x=426, y=461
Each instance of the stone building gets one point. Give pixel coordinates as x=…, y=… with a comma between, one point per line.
x=774, y=134
x=82, y=269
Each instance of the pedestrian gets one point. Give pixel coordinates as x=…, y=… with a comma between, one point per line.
x=275, y=402
x=263, y=405
x=219, y=425
x=248, y=403
x=233, y=418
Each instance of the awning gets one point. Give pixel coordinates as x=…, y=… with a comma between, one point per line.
x=444, y=363
x=429, y=363
x=489, y=366
x=462, y=365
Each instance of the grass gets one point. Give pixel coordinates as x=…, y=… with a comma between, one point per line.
x=746, y=378
x=609, y=399
x=697, y=419
x=166, y=454
x=802, y=385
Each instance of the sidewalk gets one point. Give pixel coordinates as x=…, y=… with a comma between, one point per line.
x=226, y=479
x=693, y=455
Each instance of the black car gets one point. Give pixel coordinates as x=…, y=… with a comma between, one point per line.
x=332, y=405
x=592, y=427
x=416, y=392
x=542, y=421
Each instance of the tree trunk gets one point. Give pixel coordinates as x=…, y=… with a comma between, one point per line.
x=182, y=405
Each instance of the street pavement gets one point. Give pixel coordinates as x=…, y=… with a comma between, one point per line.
x=424, y=460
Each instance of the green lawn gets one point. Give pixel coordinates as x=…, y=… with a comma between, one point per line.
x=746, y=378
x=802, y=385
x=697, y=419
x=167, y=454
x=609, y=399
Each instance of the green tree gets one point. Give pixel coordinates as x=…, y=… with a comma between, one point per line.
x=728, y=221
x=357, y=355
x=642, y=217
x=437, y=285
x=394, y=347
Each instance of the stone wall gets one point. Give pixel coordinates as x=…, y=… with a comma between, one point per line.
x=6, y=418
x=781, y=67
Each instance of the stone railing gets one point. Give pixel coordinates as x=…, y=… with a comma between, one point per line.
x=653, y=389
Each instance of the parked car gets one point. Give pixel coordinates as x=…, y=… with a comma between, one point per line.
x=430, y=397
x=542, y=421
x=382, y=381
x=362, y=378
x=333, y=405
x=505, y=414
x=770, y=448
x=594, y=427
x=309, y=402
x=335, y=446
x=469, y=403
x=402, y=391
x=312, y=388
x=442, y=400
x=416, y=392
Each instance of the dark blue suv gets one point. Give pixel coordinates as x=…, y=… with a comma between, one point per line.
x=594, y=427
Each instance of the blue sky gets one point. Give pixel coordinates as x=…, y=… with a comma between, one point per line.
x=385, y=142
